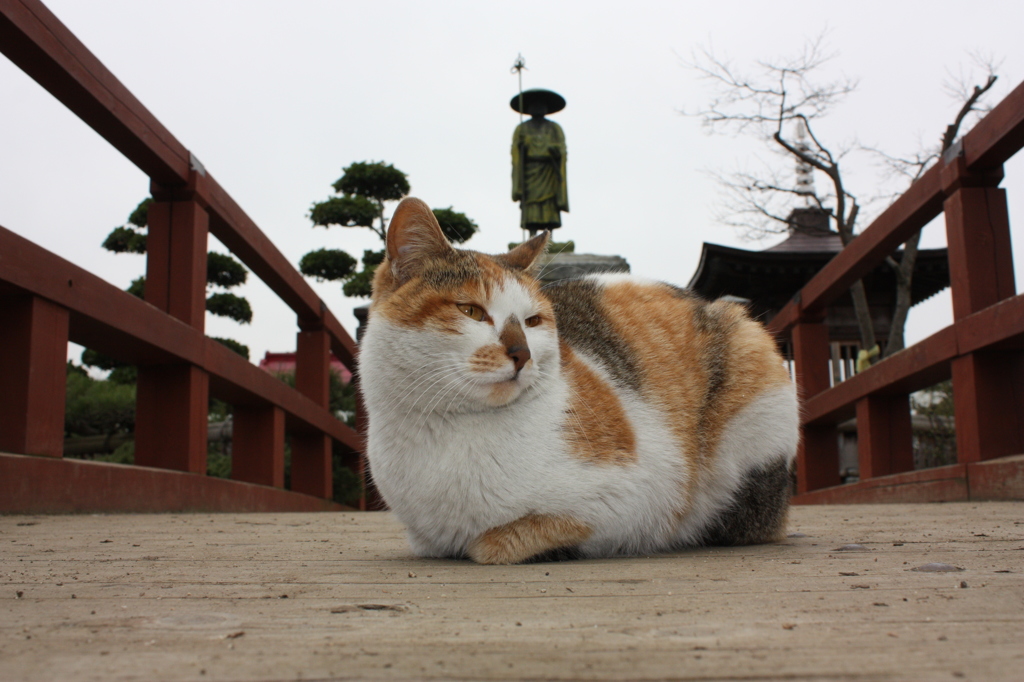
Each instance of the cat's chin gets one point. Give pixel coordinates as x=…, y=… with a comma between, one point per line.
x=504, y=392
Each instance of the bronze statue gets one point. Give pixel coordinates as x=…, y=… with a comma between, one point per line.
x=538, y=161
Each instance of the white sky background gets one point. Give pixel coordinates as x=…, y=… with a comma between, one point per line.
x=275, y=98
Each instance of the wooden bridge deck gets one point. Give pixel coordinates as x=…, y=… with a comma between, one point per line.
x=324, y=596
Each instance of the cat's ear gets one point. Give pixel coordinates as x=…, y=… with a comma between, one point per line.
x=414, y=237
x=525, y=256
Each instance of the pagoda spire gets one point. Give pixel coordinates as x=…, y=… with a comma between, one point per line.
x=804, y=170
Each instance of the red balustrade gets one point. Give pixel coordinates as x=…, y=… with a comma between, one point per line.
x=45, y=302
x=983, y=350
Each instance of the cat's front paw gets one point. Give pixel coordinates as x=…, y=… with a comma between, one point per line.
x=526, y=537
x=494, y=550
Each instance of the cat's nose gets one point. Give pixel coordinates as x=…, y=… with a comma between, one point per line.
x=520, y=355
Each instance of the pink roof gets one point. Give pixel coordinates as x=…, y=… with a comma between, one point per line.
x=285, y=362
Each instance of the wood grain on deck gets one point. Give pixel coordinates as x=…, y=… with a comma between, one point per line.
x=338, y=595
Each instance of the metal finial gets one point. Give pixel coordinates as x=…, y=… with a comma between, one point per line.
x=517, y=68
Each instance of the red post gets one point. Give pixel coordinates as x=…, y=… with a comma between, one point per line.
x=171, y=405
x=988, y=404
x=33, y=382
x=817, y=458
x=311, y=453
x=257, y=445
x=884, y=436
x=172, y=400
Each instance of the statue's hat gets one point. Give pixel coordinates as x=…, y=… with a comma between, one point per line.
x=552, y=100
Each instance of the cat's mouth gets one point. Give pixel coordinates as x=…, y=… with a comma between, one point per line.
x=504, y=392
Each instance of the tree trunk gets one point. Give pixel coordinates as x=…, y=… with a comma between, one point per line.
x=860, y=298
x=863, y=311
x=904, y=280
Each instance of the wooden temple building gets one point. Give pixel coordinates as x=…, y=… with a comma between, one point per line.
x=765, y=281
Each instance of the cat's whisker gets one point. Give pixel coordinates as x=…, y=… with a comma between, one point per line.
x=458, y=394
x=423, y=383
x=426, y=376
x=427, y=410
x=428, y=367
x=404, y=407
x=400, y=405
x=455, y=383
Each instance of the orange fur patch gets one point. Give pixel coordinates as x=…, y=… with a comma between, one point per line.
x=429, y=302
x=489, y=358
x=595, y=425
x=702, y=362
x=527, y=537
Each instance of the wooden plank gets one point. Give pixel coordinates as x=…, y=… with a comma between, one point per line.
x=312, y=366
x=39, y=485
x=144, y=333
x=938, y=484
x=43, y=47
x=200, y=596
x=923, y=364
x=999, y=135
x=784, y=320
x=232, y=226
x=312, y=465
x=342, y=345
x=172, y=401
x=1000, y=325
x=997, y=479
x=97, y=307
x=988, y=403
x=817, y=455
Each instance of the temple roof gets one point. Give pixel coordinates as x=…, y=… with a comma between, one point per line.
x=770, y=278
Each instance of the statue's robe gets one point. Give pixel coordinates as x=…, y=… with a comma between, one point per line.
x=538, y=173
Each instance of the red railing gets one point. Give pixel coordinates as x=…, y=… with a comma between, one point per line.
x=981, y=350
x=46, y=301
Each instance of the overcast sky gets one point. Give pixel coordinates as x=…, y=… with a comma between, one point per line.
x=276, y=97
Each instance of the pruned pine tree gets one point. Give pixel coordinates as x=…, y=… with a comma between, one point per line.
x=223, y=272
x=363, y=193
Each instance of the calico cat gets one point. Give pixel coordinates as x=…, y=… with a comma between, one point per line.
x=594, y=417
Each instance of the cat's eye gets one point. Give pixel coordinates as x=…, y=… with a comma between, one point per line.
x=533, y=321
x=473, y=311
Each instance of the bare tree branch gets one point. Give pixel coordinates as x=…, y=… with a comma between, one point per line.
x=779, y=96
x=953, y=129
x=912, y=169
